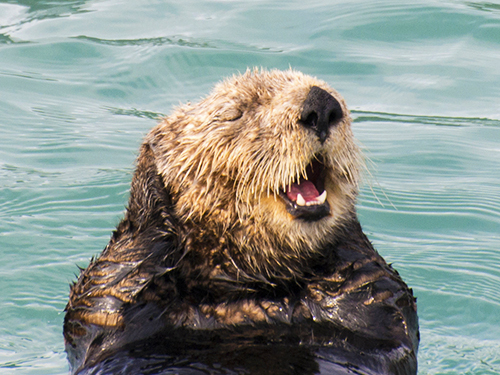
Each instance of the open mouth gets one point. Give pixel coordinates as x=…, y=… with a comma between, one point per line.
x=306, y=199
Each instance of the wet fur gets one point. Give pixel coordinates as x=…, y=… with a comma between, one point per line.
x=207, y=247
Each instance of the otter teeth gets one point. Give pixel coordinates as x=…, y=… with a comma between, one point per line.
x=322, y=198
x=319, y=200
x=300, y=200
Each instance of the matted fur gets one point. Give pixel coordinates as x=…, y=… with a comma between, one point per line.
x=226, y=158
x=207, y=246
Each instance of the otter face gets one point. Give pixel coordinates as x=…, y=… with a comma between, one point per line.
x=272, y=151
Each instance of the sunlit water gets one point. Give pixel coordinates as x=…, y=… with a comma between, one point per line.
x=81, y=82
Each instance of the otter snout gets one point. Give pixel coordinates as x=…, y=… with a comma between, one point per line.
x=321, y=111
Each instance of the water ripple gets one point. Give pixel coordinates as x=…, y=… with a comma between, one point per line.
x=83, y=81
x=454, y=354
x=181, y=41
x=370, y=116
x=135, y=113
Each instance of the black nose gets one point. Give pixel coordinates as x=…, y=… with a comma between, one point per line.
x=321, y=110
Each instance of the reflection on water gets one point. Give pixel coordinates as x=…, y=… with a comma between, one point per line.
x=82, y=82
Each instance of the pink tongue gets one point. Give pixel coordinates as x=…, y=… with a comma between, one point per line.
x=305, y=188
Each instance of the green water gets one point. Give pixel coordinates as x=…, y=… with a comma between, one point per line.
x=81, y=82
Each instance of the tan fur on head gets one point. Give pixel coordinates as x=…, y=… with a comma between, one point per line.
x=226, y=159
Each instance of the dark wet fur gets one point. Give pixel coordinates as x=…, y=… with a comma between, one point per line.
x=347, y=312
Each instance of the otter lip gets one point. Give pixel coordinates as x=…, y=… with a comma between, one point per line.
x=306, y=199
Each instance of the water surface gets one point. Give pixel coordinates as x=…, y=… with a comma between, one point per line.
x=81, y=82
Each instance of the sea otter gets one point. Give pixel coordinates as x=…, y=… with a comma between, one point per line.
x=240, y=251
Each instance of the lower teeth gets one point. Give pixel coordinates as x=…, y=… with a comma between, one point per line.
x=319, y=200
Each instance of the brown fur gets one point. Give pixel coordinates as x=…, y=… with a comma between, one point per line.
x=207, y=241
x=226, y=158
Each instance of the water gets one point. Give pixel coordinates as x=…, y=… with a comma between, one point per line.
x=81, y=82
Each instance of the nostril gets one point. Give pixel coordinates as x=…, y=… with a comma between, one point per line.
x=321, y=111
x=311, y=120
x=335, y=115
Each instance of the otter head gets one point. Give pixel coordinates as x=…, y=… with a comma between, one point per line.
x=267, y=161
